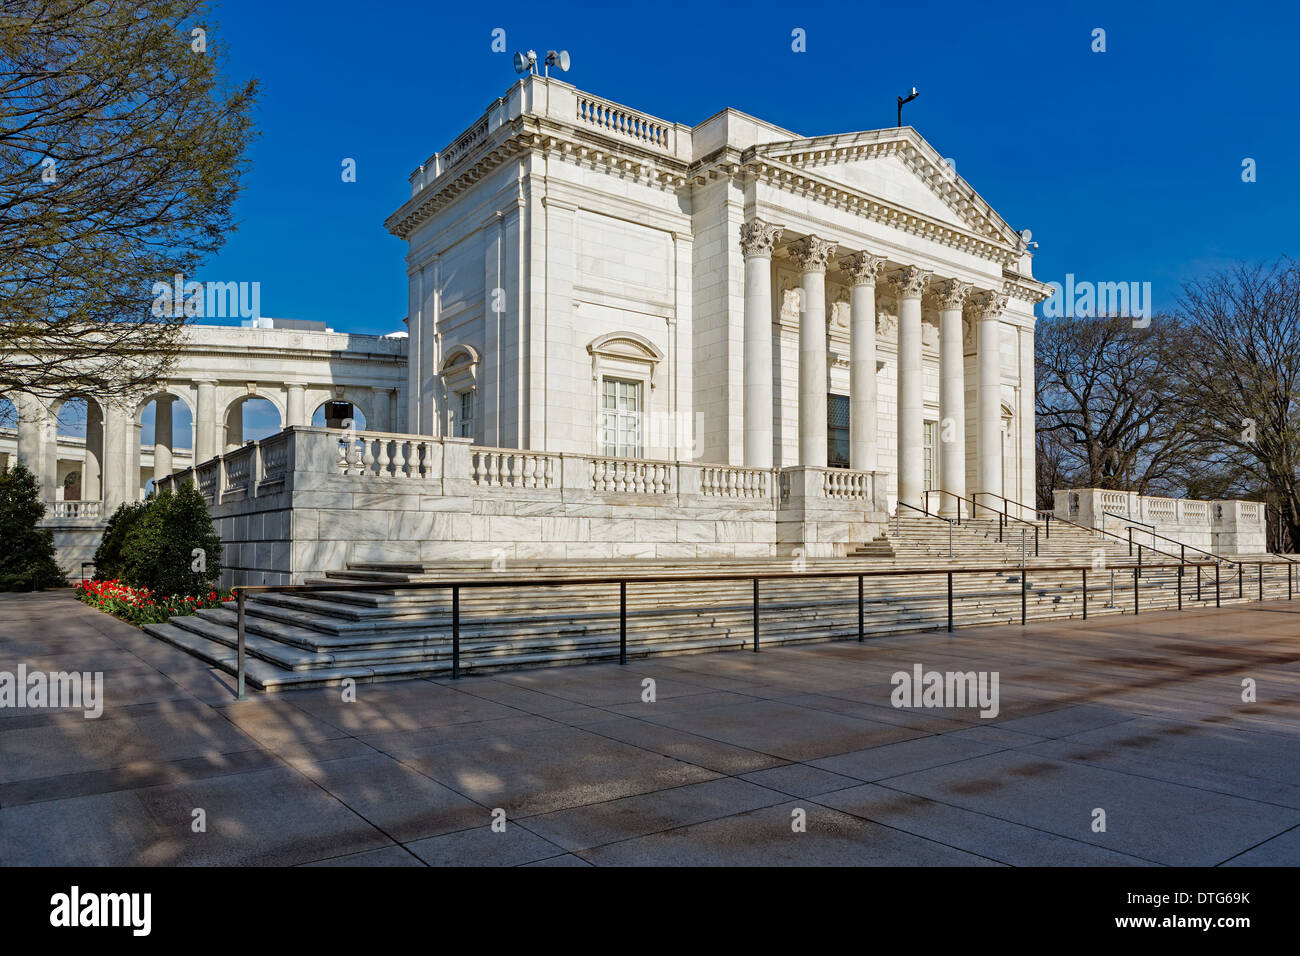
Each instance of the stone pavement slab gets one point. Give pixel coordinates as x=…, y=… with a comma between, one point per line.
x=1140, y=717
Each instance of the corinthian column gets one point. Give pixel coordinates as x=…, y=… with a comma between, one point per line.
x=757, y=238
x=952, y=294
x=911, y=283
x=812, y=254
x=862, y=269
x=989, y=306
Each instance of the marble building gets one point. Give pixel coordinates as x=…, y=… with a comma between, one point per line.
x=635, y=339
x=587, y=278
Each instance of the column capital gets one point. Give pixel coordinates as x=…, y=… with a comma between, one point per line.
x=951, y=293
x=863, y=268
x=988, y=304
x=758, y=238
x=812, y=253
x=911, y=281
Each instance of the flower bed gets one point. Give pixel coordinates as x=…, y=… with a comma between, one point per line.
x=140, y=605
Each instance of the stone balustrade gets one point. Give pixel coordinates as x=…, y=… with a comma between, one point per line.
x=77, y=509
x=1223, y=527
x=309, y=499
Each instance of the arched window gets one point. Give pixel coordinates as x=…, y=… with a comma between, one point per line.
x=623, y=368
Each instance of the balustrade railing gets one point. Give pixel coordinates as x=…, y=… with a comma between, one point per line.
x=722, y=481
x=78, y=509
x=206, y=477
x=634, y=476
x=238, y=466
x=844, y=485
x=623, y=121
x=511, y=468
x=275, y=457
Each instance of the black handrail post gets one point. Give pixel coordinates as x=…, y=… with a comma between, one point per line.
x=1024, y=593
x=1261, y=580
x=1139, y=567
x=1129, y=529
x=1241, y=582
x=1085, y=594
x=1180, y=587
x=755, y=615
x=455, y=632
x=1288, y=581
x=861, y=628
x=1135, y=591
x=240, y=647
x=949, y=602
x=1182, y=554
x=622, y=622
x=1198, y=582
x=1035, y=540
x=1216, y=586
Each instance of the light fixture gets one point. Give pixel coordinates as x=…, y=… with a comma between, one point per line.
x=901, y=100
x=526, y=62
x=558, y=58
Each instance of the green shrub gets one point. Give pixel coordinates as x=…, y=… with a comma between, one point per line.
x=172, y=548
x=108, y=556
x=27, y=561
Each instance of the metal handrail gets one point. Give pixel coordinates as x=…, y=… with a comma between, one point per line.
x=898, y=526
x=1111, y=514
x=1002, y=515
x=242, y=592
x=1187, y=547
x=1103, y=531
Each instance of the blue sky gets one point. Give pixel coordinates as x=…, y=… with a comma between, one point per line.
x=1125, y=164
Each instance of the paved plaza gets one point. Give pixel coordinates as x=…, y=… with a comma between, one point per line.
x=1140, y=718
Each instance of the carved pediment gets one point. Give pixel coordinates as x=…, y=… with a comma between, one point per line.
x=896, y=167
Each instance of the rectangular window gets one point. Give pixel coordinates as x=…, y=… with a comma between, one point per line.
x=620, y=418
x=837, y=431
x=465, y=420
x=930, y=428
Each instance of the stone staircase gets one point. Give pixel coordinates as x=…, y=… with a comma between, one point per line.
x=321, y=637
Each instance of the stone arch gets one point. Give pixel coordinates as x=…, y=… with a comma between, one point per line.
x=334, y=412
x=169, y=453
x=458, y=374
x=231, y=422
x=624, y=365
x=78, y=447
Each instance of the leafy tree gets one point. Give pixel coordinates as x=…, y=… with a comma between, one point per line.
x=27, y=561
x=108, y=556
x=121, y=153
x=172, y=548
